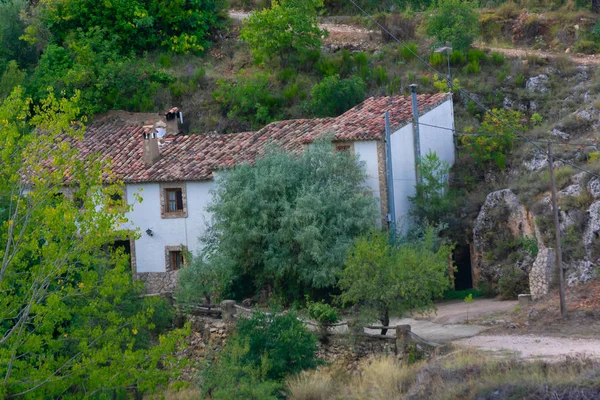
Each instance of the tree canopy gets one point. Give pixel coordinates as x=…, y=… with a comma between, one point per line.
x=453, y=21
x=71, y=320
x=385, y=279
x=285, y=224
x=287, y=27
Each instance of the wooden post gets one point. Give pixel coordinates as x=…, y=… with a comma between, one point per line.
x=558, y=252
x=402, y=338
x=228, y=310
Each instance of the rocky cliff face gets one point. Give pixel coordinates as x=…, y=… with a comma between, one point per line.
x=504, y=224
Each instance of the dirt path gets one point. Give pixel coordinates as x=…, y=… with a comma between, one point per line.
x=532, y=346
x=522, y=53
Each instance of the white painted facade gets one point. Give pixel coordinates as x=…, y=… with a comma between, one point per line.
x=440, y=141
x=150, y=250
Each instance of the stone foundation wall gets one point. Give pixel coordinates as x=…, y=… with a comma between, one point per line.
x=158, y=282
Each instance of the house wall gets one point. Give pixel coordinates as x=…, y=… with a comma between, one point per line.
x=149, y=260
x=432, y=139
x=367, y=153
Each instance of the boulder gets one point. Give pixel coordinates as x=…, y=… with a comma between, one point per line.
x=538, y=84
x=560, y=134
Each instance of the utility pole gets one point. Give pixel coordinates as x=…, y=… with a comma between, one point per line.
x=558, y=250
x=416, y=136
x=391, y=217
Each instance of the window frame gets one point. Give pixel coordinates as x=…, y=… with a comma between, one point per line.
x=170, y=253
x=165, y=189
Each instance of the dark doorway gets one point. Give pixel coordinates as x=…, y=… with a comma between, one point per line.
x=462, y=260
x=126, y=246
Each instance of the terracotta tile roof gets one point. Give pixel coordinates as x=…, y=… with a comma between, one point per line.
x=196, y=157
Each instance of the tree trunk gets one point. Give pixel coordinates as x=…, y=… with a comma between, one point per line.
x=385, y=320
x=595, y=6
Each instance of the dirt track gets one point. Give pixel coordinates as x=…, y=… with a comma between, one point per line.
x=522, y=53
x=532, y=346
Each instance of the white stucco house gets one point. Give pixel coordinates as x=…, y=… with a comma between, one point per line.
x=174, y=175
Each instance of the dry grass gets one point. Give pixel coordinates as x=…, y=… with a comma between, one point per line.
x=461, y=374
x=182, y=394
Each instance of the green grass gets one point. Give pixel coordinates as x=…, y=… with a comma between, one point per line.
x=461, y=294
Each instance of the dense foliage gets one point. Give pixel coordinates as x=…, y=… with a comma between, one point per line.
x=493, y=140
x=202, y=282
x=333, y=96
x=250, y=98
x=288, y=27
x=285, y=224
x=265, y=350
x=453, y=21
x=433, y=200
x=384, y=278
x=71, y=320
x=182, y=26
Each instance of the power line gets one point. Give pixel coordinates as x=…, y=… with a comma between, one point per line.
x=468, y=94
x=458, y=133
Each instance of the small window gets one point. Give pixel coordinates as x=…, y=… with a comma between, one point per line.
x=116, y=197
x=176, y=259
x=342, y=147
x=174, y=200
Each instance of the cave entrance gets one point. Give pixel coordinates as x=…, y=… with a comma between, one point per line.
x=462, y=260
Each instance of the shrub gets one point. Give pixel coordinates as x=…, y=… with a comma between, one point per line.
x=453, y=21
x=381, y=76
x=290, y=93
x=323, y=313
x=232, y=377
x=520, y=80
x=346, y=65
x=250, y=98
x=408, y=51
x=437, y=59
x=473, y=67
x=461, y=294
x=165, y=61
x=536, y=119
x=586, y=46
x=333, y=96
x=502, y=76
x=477, y=55
x=497, y=138
x=512, y=283
x=400, y=27
x=497, y=58
x=284, y=339
x=202, y=282
x=327, y=67
x=458, y=57
x=425, y=80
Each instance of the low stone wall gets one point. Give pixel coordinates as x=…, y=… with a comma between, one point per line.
x=158, y=282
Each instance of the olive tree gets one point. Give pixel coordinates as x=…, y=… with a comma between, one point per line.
x=284, y=224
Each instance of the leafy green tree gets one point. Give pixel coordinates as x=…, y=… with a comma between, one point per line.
x=71, y=321
x=287, y=27
x=493, y=140
x=182, y=26
x=11, y=78
x=285, y=224
x=11, y=28
x=386, y=279
x=433, y=201
x=334, y=96
x=453, y=21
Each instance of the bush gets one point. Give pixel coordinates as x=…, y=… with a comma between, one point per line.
x=232, y=377
x=458, y=57
x=333, y=96
x=496, y=140
x=586, y=46
x=512, y=283
x=408, y=51
x=381, y=76
x=477, y=55
x=437, y=59
x=461, y=294
x=453, y=21
x=250, y=98
x=202, y=282
x=400, y=27
x=473, y=67
x=283, y=339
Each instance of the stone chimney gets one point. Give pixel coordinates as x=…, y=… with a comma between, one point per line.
x=151, y=153
x=174, y=118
